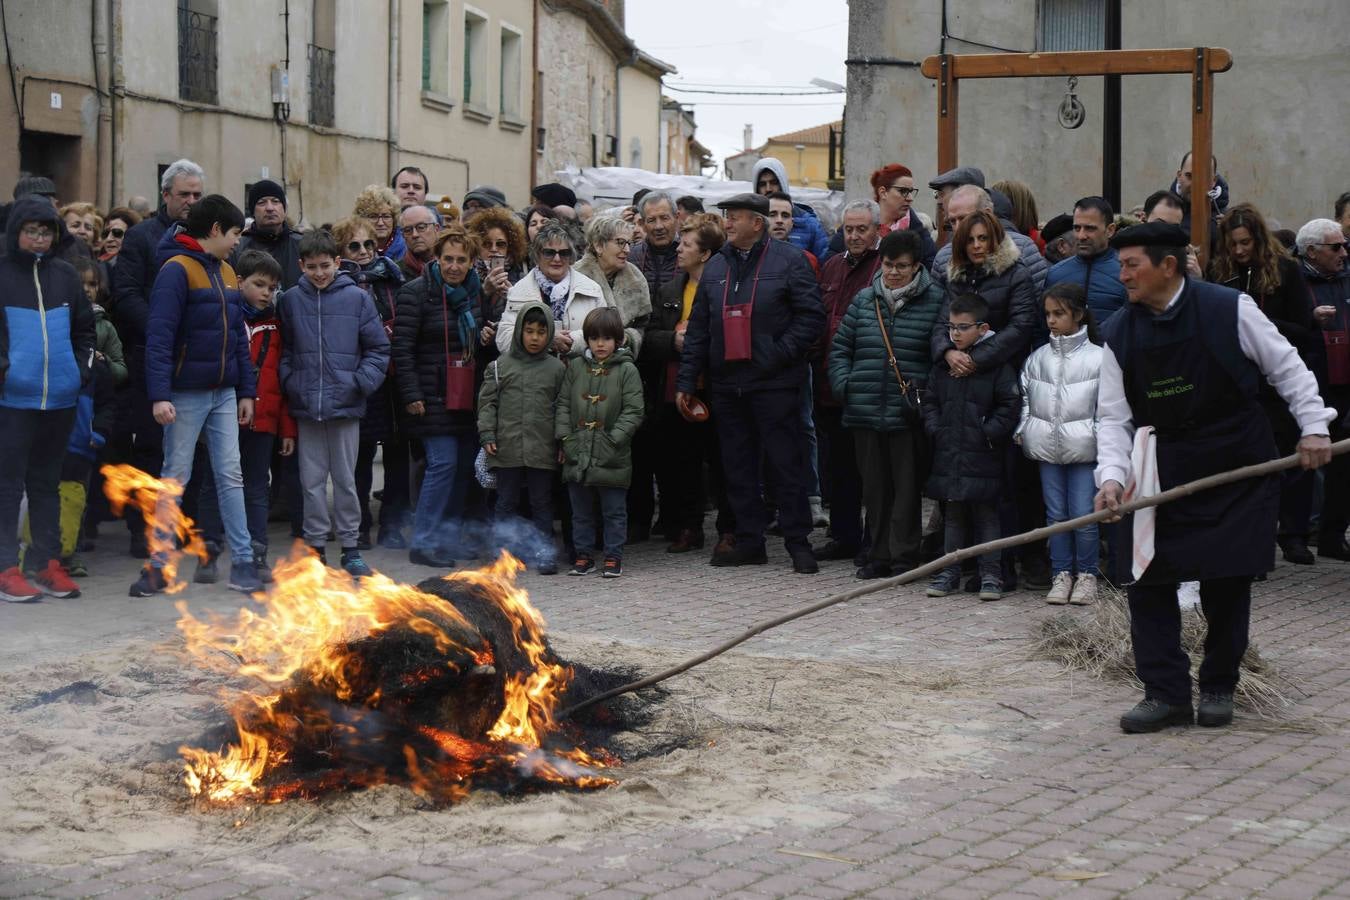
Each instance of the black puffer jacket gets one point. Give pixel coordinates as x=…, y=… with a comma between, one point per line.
x=1006, y=284
x=424, y=344
x=137, y=266
x=381, y=278
x=970, y=421
x=284, y=247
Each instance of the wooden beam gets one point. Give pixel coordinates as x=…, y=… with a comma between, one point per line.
x=1090, y=62
x=1202, y=149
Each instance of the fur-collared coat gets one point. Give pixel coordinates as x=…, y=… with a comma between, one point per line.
x=1005, y=283
x=629, y=293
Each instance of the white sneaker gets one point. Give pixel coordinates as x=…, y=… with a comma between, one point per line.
x=1188, y=595
x=819, y=518
x=1084, y=591
x=1060, y=589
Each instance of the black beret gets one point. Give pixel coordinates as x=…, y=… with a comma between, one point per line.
x=1151, y=234
x=554, y=194
x=1058, y=226
x=753, y=202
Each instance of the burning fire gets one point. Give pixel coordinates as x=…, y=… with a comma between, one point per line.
x=376, y=682
x=357, y=683
x=157, y=499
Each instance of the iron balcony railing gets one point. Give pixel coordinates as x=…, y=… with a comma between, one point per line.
x=196, y=56
x=321, y=86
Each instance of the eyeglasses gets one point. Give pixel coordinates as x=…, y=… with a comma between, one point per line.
x=357, y=246
x=34, y=233
x=1340, y=247
x=381, y=217
x=622, y=243
x=896, y=266
x=116, y=232
x=419, y=228
x=907, y=193
x=551, y=253
x=963, y=327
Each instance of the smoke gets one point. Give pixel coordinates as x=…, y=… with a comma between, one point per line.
x=470, y=538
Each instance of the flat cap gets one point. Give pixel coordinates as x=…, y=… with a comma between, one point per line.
x=487, y=195
x=554, y=194
x=753, y=202
x=1151, y=234
x=1060, y=225
x=957, y=177
x=34, y=184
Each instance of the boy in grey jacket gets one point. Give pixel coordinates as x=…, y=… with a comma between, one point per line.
x=335, y=353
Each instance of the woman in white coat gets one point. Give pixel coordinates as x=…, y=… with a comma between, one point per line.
x=553, y=280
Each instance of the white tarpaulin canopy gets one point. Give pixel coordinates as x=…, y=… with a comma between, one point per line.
x=615, y=186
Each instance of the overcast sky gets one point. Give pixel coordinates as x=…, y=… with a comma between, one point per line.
x=738, y=45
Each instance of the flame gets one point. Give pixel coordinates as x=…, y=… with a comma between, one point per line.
x=298, y=647
x=159, y=502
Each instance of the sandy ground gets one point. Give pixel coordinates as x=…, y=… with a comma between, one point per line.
x=95, y=773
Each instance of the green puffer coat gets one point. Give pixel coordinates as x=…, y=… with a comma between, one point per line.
x=858, y=368
x=518, y=401
x=599, y=411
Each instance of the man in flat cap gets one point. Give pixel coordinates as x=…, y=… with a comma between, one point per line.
x=1177, y=402
x=756, y=315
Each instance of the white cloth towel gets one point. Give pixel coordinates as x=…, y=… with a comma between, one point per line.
x=1143, y=483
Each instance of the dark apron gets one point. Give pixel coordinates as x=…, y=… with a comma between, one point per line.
x=1205, y=424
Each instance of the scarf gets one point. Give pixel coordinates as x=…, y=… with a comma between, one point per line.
x=459, y=303
x=413, y=264
x=900, y=295
x=554, y=294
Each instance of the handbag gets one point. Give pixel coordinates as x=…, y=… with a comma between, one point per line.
x=911, y=405
x=459, y=373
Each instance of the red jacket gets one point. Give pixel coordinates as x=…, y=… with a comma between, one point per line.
x=270, y=414
x=841, y=278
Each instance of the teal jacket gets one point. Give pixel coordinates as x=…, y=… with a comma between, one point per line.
x=599, y=411
x=859, y=371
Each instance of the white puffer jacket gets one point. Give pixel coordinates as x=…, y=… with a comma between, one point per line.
x=1059, y=400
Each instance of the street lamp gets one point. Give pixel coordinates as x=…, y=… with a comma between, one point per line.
x=831, y=86
x=801, y=148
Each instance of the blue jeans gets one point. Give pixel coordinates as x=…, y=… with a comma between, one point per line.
x=613, y=510
x=1068, y=492
x=214, y=413
x=441, y=503
x=255, y=460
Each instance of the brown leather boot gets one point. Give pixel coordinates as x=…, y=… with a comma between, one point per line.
x=687, y=540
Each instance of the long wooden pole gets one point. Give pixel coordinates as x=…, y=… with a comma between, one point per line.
x=1259, y=470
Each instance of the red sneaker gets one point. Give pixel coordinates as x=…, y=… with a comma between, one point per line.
x=54, y=581
x=15, y=588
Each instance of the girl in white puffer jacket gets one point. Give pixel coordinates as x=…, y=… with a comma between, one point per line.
x=1059, y=430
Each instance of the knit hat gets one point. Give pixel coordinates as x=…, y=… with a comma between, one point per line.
x=34, y=184
x=554, y=194
x=264, y=189
x=487, y=195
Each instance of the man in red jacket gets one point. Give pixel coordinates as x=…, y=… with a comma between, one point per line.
x=841, y=278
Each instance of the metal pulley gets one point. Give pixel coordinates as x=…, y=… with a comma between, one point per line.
x=1071, y=111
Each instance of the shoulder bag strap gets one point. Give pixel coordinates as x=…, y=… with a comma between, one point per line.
x=890, y=351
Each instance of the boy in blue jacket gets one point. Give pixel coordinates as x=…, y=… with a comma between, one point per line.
x=46, y=348
x=198, y=373
x=335, y=353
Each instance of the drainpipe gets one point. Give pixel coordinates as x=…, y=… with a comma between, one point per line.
x=117, y=88
x=395, y=72
x=618, y=103
x=98, y=10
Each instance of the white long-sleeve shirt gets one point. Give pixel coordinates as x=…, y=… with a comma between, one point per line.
x=1260, y=341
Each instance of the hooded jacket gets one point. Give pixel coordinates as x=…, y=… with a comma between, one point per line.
x=1006, y=285
x=107, y=342
x=270, y=414
x=786, y=322
x=1098, y=276
x=518, y=401
x=194, y=337
x=284, y=247
x=860, y=374
x=334, y=349
x=47, y=327
x=629, y=294
x=807, y=232
x=1059, y=400
x=969, y=419
x=583, y=295
x=599, y=411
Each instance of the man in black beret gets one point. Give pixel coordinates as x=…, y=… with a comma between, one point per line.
x=554, y=194
x=1058, y=237
x=1178, y=401
x=756, y=315
x=270, y=232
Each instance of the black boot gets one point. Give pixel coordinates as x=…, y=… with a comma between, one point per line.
x=1151, y=715
x=1295, y=548
x=1216, y=709
x=206, y=569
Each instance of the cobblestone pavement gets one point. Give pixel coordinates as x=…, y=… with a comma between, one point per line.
x=1064, y=805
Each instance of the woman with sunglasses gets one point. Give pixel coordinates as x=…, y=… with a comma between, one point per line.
x=120, y=221
x=554, y=282
x=382, y=279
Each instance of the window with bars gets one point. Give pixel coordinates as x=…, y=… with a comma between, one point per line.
x=1070, y=25
x=322, y=55
x=197, y=51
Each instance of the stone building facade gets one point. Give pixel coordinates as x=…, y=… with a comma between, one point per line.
x=1278, y=113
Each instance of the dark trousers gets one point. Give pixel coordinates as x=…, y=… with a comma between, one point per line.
x=646, y=456
x=1022, y=505
x=1155, y=628
x=610, y=529
x=147, y=451
x=255, y=462
x=529, y=541
x=890, y=467
x=840, y=463
x=768, y=424
x=683, y=450
x=32, y=448
x=1336, y=481
x=971, y=522
x=397, y=476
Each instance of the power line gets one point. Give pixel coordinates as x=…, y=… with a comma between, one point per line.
x=755, y=103
x=798, y=93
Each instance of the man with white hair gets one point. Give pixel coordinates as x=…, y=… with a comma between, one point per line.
x=180, y=187
x=1322, y=249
